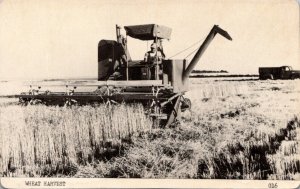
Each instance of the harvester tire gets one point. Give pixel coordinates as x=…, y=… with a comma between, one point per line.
x=174, y=112
x=186, y=104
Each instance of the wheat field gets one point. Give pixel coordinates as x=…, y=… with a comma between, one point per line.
x=236, y=129
x=50, y=137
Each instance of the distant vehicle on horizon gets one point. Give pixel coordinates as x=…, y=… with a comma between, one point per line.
x=283, y=72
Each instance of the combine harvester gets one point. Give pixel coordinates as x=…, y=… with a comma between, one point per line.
x=158, y=84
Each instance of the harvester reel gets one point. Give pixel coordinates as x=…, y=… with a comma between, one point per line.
x=70, y=102
x=35, y=101
x=110, y=101
x=108, y=90
x=23, y=102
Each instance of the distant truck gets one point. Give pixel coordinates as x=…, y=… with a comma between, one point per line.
x=283, y=72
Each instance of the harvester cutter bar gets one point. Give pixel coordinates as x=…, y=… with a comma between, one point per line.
x=126, y=97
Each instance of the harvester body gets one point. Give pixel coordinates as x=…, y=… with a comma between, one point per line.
x=158, y=85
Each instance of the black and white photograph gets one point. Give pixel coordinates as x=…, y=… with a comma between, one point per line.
x=150, y=89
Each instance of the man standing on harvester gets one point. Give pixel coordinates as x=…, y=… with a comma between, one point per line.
x=154, y=57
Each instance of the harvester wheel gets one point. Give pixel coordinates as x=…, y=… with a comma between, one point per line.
x=186, y=104
x=174, y=111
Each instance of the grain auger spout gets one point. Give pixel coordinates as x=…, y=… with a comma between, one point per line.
x=157, y=83
x=215, y=30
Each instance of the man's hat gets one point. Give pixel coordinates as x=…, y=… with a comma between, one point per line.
x=153, y=46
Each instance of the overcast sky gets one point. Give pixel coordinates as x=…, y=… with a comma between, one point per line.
x=59, y=38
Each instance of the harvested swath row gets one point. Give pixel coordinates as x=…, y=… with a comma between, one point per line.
x=286, y=161
x=190, y=152
x=152, y=157
x=265, y=155
x=53, y=139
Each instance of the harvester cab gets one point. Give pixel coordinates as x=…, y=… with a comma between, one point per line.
x=157, y=83
x=114, y=61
